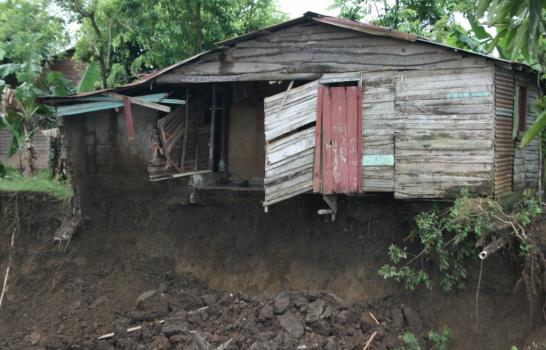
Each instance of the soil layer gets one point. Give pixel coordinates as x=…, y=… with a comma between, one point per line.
x=283, y=280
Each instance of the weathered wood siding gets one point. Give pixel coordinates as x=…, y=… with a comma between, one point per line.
x=380, y=121
x=428, y=113
x=527, y=160
x=307, y=51
x=290, y=119
x=445, y=142
x=504, y=142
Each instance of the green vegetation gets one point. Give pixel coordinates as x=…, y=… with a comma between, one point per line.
x=29, y=36
x=438, y=340
x=128, y=37
x=410, y=342
x=447, y=238
x=13, y=181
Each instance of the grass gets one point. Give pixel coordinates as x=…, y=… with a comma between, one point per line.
x=14, y=181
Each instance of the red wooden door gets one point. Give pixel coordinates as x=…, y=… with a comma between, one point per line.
x=338, y=144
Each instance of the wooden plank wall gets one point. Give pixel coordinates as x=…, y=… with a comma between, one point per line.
x=527, y=161
x=380, y=120
x=428, y=109
x=290, y=141
x=285, y=55
x=504, y=142
x=446, y=142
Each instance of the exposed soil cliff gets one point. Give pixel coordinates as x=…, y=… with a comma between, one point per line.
x=283, y=280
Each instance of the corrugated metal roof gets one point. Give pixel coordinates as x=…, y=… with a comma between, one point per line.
x=308, y=17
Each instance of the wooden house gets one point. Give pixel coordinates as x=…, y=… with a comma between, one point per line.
x=316, y=105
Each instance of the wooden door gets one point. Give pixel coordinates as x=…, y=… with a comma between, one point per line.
x=338, y=145
x=290, y=119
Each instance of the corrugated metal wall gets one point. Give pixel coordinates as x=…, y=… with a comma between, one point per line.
x=504, y=143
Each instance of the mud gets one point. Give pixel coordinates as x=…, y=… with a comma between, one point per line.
x=259, y=276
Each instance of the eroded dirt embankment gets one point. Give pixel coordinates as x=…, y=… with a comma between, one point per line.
x=264, y=278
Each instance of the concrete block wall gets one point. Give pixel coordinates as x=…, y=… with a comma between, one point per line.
x=101, y=154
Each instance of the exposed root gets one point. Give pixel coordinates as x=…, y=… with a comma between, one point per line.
x=13, y=228
x=477, y=297
x=534, y=268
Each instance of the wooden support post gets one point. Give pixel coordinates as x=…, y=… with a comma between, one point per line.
x=212, y=128
x=186, y=126
x=331, y=200
x=223, y=132
x=196, y=141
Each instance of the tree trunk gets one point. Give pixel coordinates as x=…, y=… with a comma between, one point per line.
x=103, y=69
x=28, y=154
x=396, y=8
x=102, y=54
x=198, y=29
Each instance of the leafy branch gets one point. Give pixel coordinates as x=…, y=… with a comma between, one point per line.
x=447, y=238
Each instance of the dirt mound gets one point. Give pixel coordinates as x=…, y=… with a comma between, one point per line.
x=291, y=320
x=229, y=271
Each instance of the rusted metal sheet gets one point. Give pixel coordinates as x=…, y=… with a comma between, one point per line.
x=340, y=139
x=504, y=142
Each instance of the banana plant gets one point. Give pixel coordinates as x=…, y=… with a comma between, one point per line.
x=89, y=78
x=22, y=112
x=20, y=117
x=20, y=109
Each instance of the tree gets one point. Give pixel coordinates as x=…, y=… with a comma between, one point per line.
x=28, y=37
x=127, y=37
x=520, y=27
x=420, y=17
x=519, y=24
x=29, y=32
x=97, y=29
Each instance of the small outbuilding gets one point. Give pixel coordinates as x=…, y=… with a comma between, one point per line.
x=317, y=104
